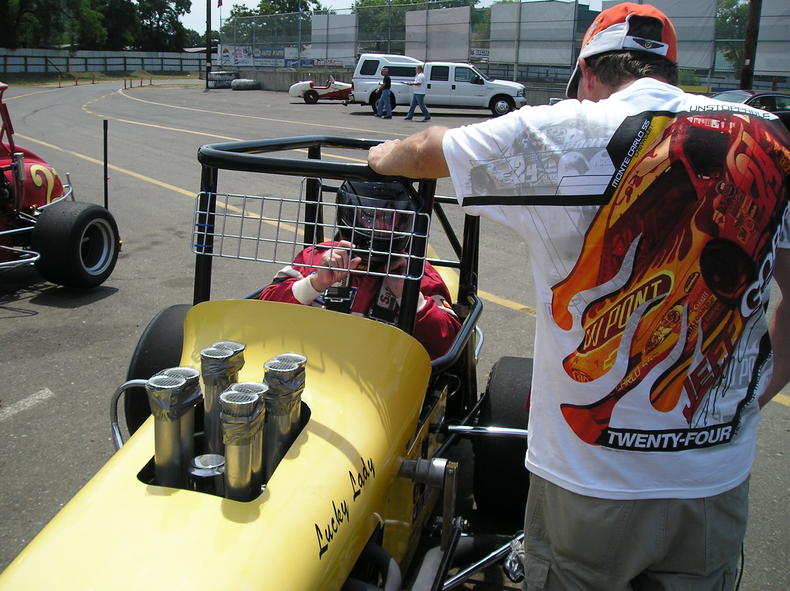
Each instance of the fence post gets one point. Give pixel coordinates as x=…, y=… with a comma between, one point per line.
x=518, y=42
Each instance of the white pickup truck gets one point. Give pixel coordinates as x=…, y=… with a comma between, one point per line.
x=450, y=84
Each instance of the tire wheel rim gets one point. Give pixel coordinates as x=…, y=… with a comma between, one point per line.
x=96, y=247
x=502, y=107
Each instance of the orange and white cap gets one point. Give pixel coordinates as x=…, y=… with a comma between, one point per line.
x=610, y=32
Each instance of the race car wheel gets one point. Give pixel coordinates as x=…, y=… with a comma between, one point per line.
x=502, y=104
x=78, y=243
x=310, y=97
x=159, y=348
x=501, y=481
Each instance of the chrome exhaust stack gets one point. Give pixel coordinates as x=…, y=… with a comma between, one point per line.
x=207, y=474
x=240, y=412
x=191, y=396
x=285, y=377
x=165, y=396
x=260, y=391
x=219, y=366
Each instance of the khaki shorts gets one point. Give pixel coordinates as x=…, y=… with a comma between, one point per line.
x=579, y=543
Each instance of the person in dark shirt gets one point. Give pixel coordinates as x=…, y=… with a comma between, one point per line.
x=383, y=105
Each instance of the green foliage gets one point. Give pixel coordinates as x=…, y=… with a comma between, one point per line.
x=150, y=25
x=84, y=24
x=275, y=22
x=31, y=23
x=122, y=24
x=160, y=29
x=732, y=18
x=287, y=6
x=688, y=77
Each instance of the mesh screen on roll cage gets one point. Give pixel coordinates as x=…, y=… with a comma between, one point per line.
x=271, y=229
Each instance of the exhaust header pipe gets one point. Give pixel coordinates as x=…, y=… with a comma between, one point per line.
x=285, y=377
x=256, y=426
x=239, y=415
x=219, y=365
x=166, y=396
x=189, y=400
x=207, y=474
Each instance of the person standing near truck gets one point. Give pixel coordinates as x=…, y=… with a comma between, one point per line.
x=383, y=105
x=418, y=98
x=655, y=221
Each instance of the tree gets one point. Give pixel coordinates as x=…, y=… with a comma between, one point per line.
x=288, y=6
x=150, y=25
x=732, y=17
x=160, y=29
x=281, y=28
x=122, y=23
x=193, y=38
x=31, y=23
x=84, y=24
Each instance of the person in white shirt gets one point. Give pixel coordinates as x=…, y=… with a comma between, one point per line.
x=418, y=98
x=655, y=221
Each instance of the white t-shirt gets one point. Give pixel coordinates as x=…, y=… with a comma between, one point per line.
x=422, y=87
x=652, y=219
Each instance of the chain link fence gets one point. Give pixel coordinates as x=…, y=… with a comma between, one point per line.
x=531, y=42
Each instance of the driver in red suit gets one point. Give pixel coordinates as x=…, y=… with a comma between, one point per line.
x=376, y=295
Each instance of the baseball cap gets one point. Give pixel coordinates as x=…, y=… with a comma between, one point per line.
x=610, y=32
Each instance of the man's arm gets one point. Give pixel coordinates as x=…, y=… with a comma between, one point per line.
x=779, y=328
x=419, y=156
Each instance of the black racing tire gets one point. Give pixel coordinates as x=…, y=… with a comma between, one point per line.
x=501, y=104
x=501, y=481
x=310, y=97
x=159, y=348
x=78, y=244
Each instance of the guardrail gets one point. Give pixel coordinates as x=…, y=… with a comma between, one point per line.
x=23, y=63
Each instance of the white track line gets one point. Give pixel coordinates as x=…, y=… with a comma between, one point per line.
x=26, y=403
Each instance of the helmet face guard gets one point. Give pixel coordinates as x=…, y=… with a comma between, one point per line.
x=378, y=218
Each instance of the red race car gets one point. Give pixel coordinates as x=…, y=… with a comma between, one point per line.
x=310, y=92
x=71, y=243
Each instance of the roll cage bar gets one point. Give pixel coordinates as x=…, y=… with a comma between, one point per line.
x=264, y=156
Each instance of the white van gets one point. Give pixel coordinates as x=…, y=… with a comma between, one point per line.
x=450, y=84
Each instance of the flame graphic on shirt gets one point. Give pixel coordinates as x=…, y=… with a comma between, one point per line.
x=671, y=262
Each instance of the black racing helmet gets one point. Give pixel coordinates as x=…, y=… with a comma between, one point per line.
x=377, y=217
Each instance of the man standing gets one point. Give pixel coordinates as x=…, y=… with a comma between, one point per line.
x=418, y=98
x=383, y=106
x=655, y=220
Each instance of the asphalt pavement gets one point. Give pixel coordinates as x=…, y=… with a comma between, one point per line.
x=64, y=352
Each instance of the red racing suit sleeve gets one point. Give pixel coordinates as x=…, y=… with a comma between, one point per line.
x=436, y=324
x=282, y=287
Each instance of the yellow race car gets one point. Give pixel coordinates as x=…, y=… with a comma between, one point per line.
x=280, y=446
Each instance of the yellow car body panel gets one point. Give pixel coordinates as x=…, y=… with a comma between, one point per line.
x=365, y=384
